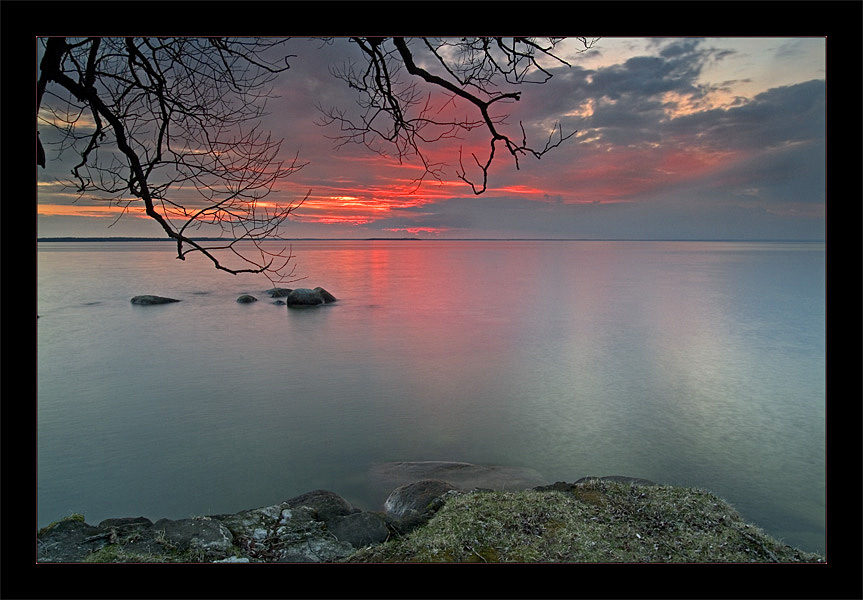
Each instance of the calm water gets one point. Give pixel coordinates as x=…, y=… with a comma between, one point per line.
x=688, y=363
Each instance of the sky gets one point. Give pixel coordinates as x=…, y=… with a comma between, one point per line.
x=677, y=138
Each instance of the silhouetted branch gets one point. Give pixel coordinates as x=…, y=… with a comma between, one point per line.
x=171, y=125
x=397, y=115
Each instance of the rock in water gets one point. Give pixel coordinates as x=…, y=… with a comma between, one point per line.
x=148, y=299
x=325, y=295
x=304, y=297
x=278, y=292
x=246, y=299
x=466, y=476
x=307, y=297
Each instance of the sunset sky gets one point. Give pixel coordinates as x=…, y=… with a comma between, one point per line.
x=678, y=138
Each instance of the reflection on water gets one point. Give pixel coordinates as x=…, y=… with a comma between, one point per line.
x=687, y=363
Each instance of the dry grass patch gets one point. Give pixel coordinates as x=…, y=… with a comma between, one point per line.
x=597, y=521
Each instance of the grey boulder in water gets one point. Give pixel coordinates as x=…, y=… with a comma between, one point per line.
x=309, y=297
x=148, y=299
x=465, y=476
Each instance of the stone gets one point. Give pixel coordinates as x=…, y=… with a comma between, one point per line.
x=413, y=504
x=148, y=299
x=232, y=559
x=246, y=299
x=315, y=550
x=359, y=529
x=327, y=297
x=325, y=504
x=208, y=535
x=69, y=540
x=318, y=526
x=385, y=477
x=125, y=522
x=126, y=525
x=278, y=292
x=244, y=524
x=302, y=297
x=291, y=531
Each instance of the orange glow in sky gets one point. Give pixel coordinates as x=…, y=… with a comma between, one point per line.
x=91, y=211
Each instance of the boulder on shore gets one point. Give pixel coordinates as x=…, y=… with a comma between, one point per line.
x=318, y=526
x=302, y=297
x=148, y=299
x=411, y=505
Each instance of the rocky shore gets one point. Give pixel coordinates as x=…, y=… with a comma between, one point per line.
x=595, y=519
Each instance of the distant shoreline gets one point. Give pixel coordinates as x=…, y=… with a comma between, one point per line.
x=415, y=239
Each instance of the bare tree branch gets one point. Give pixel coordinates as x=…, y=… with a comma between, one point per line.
x=399, y=116
x=171, y=126
x=176, y=122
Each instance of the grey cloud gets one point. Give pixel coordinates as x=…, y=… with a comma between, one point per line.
x=675, y=69
x=791, y=173
x=678, y=217
x=645, y=76
x=784, y=114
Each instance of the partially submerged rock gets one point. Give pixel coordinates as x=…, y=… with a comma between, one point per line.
x=148, y=299
x=278, y=292
x=327, y=297
x=413, y=504
x=463, y=475
x=302, y=297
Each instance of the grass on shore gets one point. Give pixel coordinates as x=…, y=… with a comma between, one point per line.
x=73, y=517
x=594, y=521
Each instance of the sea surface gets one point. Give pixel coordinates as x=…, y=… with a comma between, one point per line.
x=688, y=363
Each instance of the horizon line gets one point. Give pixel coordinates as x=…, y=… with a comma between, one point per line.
x=419, y=239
